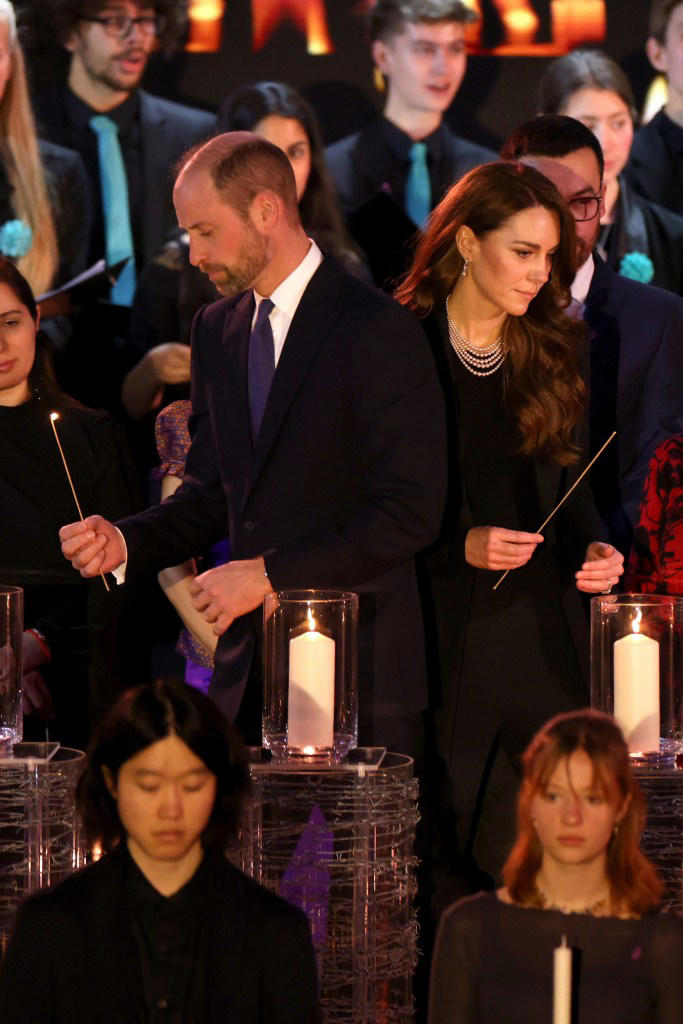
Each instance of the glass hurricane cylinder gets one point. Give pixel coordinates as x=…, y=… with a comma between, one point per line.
x=310, y=690
x=11, y=661
x=636, y=671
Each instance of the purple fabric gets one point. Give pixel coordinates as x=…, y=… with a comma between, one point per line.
x=306, y=881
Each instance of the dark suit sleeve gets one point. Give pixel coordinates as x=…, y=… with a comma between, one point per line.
x=289, y=976
x=396, y=416
x=71, y=201
x=26, y=982
x=659, y=412
x=195, y=516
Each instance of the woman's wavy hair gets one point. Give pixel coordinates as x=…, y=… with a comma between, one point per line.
x=21, y=158
x=634, y=884
x=319, y=206
x=141, y=717
x=583, y=69
x=544, y=391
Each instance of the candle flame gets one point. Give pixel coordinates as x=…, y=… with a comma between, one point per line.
x=637, y=620
x=309, y=751
x=54, y=416
x=311, y=619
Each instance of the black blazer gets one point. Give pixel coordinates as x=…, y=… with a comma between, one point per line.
x=167, y=130
x=72, y=956
x=636, y=366
x=345, y=483
x=371, y=185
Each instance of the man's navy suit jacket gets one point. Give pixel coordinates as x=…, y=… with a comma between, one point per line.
x=344, y=484
x=636, y=386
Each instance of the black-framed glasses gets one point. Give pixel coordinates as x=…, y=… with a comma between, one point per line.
x=585, y=207
x=118, y=26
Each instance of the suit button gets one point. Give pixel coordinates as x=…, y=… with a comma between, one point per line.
x=249, y=525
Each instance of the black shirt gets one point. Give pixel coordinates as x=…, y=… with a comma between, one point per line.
x=168, y=934
x=81, y=137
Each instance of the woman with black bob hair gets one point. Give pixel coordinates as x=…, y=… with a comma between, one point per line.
x=162, y=927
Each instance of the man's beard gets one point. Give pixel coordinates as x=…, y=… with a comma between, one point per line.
x=241, y=275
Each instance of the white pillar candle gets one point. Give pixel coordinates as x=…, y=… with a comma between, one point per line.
x=311, y=689
x=636, y=689
x=562, y=983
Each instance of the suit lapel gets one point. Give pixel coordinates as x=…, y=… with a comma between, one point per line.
x=155, y=172
x=314, y=317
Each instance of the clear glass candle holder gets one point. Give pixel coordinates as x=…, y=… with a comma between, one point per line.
x=636, y=671
x=11, y=662
x=310, y=688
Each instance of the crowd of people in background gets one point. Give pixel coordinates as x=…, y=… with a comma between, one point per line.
x=452, y=333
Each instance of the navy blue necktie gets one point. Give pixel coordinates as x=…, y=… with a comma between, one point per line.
x=261, y=364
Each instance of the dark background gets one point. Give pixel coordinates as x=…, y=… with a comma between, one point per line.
x=498, y=93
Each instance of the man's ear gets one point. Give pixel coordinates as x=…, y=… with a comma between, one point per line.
x=264, y=211
x=656, y=54
x=70, y=42
x=109, y=781
x=379, y=55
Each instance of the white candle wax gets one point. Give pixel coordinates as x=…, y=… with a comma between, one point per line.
x=311, y=690
x=562, y=983
x=636, y=691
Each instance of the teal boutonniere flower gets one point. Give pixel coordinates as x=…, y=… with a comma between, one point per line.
x=15, y=239
x=638, y=266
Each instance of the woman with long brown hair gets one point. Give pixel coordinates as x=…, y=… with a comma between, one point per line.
x=576, y=870
x=491, y=277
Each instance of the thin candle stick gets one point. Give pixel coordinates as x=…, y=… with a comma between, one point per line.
x=564, y=498
x=53, y=417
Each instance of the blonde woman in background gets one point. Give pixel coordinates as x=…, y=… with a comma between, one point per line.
x=44, y=207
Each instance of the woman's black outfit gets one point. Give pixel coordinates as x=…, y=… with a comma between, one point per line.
x=80, y=620
x=509, y=658
x=105, y=947
x=493, y=962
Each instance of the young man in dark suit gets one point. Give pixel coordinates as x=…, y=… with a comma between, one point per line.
x=396, y=169
x=635, y=330
x=109, y=42
x=320, y=454
x=656, y=166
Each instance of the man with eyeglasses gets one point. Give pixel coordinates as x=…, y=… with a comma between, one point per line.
x=103, y=114
x=635, y=330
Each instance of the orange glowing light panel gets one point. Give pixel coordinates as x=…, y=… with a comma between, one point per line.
x=309, y=16
x=206, y=26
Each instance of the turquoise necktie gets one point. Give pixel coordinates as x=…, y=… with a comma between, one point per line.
x=117, y=230
x=418, y=185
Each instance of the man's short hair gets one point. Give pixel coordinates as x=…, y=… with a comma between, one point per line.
x=242, y=164
x=660, y=13
x=389, y=17
x=551, y=135
x=45, y=22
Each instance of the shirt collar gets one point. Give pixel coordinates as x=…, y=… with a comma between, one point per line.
x=582, y=281
x=123, y=115
x=400, y=144
x=672, y=132
x=287, y=295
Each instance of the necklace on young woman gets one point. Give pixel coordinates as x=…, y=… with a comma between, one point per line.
x=599, y=908
x=482, y=362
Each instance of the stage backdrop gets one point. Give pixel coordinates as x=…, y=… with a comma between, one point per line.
x=318, y=46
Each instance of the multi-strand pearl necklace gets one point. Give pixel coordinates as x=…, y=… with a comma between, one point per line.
x=482, y=362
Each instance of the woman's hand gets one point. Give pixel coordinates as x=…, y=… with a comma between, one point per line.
x=601, y=570
x=493, y=547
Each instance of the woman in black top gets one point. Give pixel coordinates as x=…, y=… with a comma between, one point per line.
x=71, y=655
x=162, y=928
x=576, y=870
x=491, y=276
